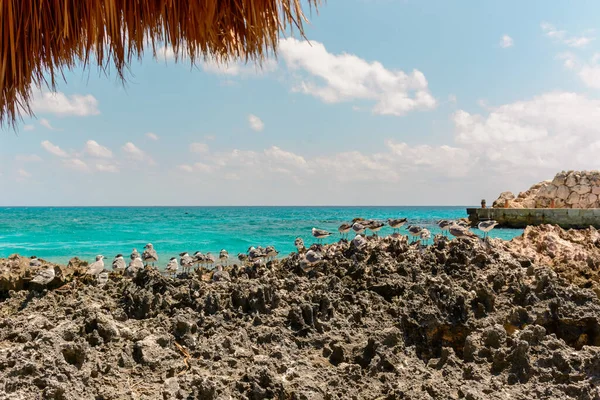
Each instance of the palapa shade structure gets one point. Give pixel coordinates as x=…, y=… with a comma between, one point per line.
x=39, y=38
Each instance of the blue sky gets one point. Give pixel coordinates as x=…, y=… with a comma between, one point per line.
x=393, y=102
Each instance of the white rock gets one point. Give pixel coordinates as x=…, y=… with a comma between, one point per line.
x=562, y=192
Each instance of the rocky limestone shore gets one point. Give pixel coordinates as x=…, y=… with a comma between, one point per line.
x=456, y=320
x=572, y=189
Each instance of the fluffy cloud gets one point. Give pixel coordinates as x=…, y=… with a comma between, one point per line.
x=152, y=136
x=23, y=174
x=199, y=148
x=53, y=149
x=256, y=124
x=103, y=167
x=134, y=153
x=562, y=36
x=46, y=124
x=506, y=42
x=94, y=149
x=60, y=104
x=76, y=164
x=238, y=68
x=345, y=77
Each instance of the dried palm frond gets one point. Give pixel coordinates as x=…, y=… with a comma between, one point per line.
x=39, y=38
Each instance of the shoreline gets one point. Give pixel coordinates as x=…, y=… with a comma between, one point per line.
x=387, y=320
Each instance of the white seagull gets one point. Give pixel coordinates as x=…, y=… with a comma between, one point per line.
x=186, y=261
x=486, y=227
x=396, y=223
x=172, y=266
x=135, y=265
x=118, y=264
x=96, y=267
x=320, y=234
x=149, y=255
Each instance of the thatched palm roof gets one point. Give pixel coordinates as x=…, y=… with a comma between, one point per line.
x=39, y=38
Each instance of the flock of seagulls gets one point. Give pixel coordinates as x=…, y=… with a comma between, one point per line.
x=186, y=262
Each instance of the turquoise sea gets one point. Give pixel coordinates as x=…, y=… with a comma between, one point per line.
x=58, y=234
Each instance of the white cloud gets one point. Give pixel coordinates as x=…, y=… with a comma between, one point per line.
x=152, y=136
x=53, y=149
x=23, y=174
x=506, y=42
x=186, y=168
x=136, y=154
x=345, y=77
x=28, y=158
x=101, y=167
x=76, y=164
x=256, y=124
x=94, y=149
x=238, y=68
x=563, y=37
x=28, y=127
x=46, y=124
x=199, y=148
x=59, y=104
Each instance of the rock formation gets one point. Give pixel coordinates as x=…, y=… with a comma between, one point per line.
x=455, y=320
x=572, y=189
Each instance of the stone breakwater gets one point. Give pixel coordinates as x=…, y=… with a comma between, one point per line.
x=572, y=189
x=455, y=320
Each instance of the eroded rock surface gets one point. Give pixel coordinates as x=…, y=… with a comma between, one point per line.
x=457, y=320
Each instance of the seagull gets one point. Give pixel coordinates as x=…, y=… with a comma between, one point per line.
x=135, y=265
x=186, y=261
x=118, y=264
x=172, y=266
x=35, y=262
x=396, y=223
x=459, y=231
x=486, y=227
x=359, y=241
x=320, y=234
x=255, y=254
x=299, y=244
x=313, y=257
x=425, y=235
x=414, y=231
x=96, y=267
x=344, y=228
x=45, y=276
x=242, y=257
x=375, y=226
x=199, y=259
x=209, y=259
x=149, y=255
x=358, y=228
x=102, y=279
x=134, y=254
x=462, y=223
x=220, y=275
x=271, y=253
x=223, y=256
x=444, y=225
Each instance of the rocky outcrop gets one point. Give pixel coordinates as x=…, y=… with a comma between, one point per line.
x=455, y=320
x=572, y=189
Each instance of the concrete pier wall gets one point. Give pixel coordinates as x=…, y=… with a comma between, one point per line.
x=521, y=217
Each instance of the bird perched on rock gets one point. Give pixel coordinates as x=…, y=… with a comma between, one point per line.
x=414, y=231
x=220, y=275
x=149, y=255
x=459, y=231
x=96, y=267
x=358, y=228
x=444, y=225
x=134, y=254
x=299, y=244
x=223, y=256
x=186, y=261
x=118, y=264
x=135, y=265
x=271, y=252
x=375, y=226
x=172, y=266
x=486, y=227
x=359, y=241
x=198, y=259
x=425, y=235
x=320, y=234
x=313, y=257
x=102, y=279
x=34, y=262
x=209, y=259
x=344, y=228
x=242, y=257
x=45, y=276
x=396, y=223
x=255, y=254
